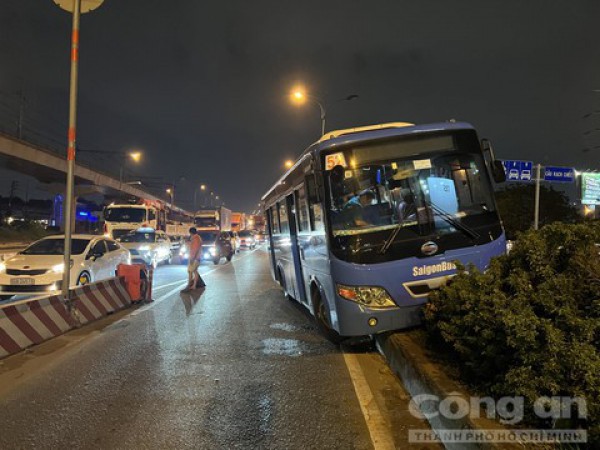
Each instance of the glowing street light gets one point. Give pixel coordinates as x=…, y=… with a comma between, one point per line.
x=135, y=156
x=299, y=97
x=289, y=164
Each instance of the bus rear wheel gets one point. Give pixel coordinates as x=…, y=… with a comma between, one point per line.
x=323, y=318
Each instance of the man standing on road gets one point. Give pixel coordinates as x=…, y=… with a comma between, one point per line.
x=195, y=281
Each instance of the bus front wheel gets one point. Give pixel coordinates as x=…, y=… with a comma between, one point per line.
x=323, y=318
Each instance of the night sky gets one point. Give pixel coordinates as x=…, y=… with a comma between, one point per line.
x=201, y=86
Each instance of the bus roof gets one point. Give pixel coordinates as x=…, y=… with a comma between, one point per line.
x=338, y=133
x=350, y=136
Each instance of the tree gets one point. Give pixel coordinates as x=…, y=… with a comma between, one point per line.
x=516, y=207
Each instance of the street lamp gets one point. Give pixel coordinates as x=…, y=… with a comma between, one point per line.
x=202, y=189
x=76, y=7
x=136, y=157
x=299, y=96
x=288, y=164
x=171, y=192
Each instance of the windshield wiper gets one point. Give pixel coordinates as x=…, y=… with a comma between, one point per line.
x=391, y=238
x=469, y=232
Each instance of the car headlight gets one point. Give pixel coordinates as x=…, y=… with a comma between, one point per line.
x=183, y=251
x=371, y=296
x=212, y=251
x=2, y=267
x=60, y=268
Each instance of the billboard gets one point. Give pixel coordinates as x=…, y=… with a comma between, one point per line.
x=590, y=188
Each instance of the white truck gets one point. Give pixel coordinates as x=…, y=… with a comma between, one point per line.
x=120, y=219
x=213, y=219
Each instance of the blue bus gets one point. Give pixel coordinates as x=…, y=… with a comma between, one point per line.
x=370, y=220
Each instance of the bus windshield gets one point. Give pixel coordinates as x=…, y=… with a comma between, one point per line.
x=125, y=215
x=409, y=188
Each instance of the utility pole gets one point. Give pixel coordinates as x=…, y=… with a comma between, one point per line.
x=76, y=7
x=14, y=186
x=538, y=177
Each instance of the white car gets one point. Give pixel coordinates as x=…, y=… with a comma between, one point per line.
x=148, y=246
x=39, y=268
x=247, y=239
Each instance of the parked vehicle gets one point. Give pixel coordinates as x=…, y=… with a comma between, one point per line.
x=215, y=246
x=148, y=246
x=39, y=268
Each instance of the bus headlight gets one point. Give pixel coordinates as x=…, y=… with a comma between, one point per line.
x=371, y=296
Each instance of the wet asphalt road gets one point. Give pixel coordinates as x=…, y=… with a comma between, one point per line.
x=235, y=366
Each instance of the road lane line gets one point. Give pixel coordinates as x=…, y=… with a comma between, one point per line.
x=162, y=286
x=377, y=426
x=180, y=285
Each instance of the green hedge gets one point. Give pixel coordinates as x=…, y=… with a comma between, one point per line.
x=530, y=325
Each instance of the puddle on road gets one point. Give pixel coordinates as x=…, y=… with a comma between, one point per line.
x=284, y=327
x=285, y=347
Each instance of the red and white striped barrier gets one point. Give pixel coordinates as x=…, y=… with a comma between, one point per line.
x=25, y=324
x=34, y=321
x=100, y=299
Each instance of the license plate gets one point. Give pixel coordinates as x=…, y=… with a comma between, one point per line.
x=22, y=281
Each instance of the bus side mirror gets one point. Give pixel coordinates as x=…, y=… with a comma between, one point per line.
x=498, y=172
x=496, y=166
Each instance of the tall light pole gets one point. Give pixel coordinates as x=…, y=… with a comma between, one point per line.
x=135, y=157
x=202, y=189
x=76, y=7
x=299, y=97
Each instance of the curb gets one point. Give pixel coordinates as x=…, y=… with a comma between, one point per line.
x=405, y=354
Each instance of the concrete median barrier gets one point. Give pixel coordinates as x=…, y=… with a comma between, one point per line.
x=30, y=322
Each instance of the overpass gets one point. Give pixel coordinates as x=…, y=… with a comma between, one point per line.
x=51, y=168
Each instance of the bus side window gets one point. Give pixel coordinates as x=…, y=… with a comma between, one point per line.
x=274, y=220
x=316, y=217
x=314, y=206
x=302, y=210
x=283, y=218
x=151, y=214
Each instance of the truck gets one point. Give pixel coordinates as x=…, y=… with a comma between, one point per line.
x=120, y=219
x=238, y=221
x=210, y=219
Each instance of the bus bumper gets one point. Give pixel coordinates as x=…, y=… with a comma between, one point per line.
x=357, y=320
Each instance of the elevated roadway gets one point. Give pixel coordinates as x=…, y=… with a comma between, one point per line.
x=49, y=167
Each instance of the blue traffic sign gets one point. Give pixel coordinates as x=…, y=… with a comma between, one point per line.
x=560, y=174
x=518, y=170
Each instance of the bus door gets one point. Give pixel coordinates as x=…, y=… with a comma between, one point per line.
x=298, y=276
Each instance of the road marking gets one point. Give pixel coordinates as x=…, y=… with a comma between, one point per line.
x=377, y=426
x=180, y=284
